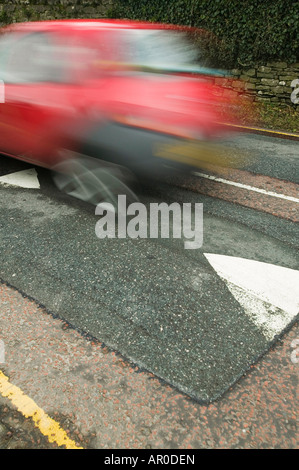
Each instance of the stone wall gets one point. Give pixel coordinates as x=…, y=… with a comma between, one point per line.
x=271, y=82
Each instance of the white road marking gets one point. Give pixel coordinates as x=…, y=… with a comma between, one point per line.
x=268, y=293
x=246, y=186
x=23, y=179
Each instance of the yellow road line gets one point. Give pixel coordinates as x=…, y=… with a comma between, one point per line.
x=259, y=129
x=25, y=405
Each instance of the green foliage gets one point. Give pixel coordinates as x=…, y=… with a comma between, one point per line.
x=244, y=31
x=269, y=116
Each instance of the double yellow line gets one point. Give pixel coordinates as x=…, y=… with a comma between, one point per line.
x=25, y=405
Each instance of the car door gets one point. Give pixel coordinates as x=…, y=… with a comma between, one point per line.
x=39, y=102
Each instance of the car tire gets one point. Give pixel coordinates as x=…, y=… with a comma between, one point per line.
x=92, y=180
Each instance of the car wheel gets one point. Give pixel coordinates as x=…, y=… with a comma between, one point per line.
x=94, y=181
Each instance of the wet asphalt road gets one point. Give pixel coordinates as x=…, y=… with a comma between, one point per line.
x=161, y=307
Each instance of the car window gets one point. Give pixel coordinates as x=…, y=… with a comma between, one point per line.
x=90, y=55
x=159, y=48
x=51, y=57
x=6, y=40
x=29, y=59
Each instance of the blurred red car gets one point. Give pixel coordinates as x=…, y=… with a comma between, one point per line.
x=99, y=100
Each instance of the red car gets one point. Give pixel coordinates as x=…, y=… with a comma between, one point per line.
x=101, y=100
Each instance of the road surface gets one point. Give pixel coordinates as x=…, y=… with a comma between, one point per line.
x=122, y=343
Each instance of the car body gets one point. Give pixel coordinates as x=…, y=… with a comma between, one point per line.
x=120, y=92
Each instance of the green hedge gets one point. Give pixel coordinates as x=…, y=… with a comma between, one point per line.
x=244, y=31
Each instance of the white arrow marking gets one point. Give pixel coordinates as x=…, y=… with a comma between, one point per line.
x=268, y=293
x=24, y=179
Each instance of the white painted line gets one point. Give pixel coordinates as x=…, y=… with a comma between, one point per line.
x=268, y=293
x=245, y=186
x=23, y=179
